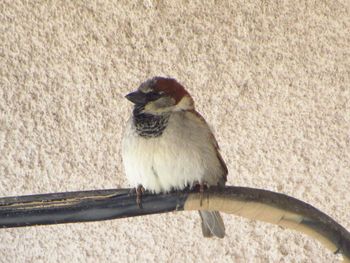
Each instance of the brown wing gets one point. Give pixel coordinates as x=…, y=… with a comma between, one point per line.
x=216, y=146
x=223, y=164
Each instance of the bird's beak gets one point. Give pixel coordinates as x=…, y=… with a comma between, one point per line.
x=137, y=97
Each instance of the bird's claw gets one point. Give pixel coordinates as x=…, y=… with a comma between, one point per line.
x=201, y=187
x=140, y=190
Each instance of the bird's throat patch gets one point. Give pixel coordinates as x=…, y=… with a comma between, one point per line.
x=148, y=125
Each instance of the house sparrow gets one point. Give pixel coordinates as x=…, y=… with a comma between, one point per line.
x=168, y=145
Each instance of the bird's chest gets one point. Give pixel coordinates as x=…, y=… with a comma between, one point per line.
x=169, y=161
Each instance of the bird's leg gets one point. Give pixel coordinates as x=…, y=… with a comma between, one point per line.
x=201, y=186
x=140, y=190
x=201, y=192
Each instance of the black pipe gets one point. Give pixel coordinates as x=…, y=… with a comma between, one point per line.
x=83, y=206
x=99, y=205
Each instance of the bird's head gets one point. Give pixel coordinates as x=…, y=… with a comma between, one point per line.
x=160, y=95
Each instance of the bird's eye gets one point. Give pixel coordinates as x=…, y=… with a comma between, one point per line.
x=153, y=95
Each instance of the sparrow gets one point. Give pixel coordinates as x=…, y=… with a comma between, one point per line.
x=167, y=145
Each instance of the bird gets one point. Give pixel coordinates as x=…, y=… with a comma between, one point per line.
x=168, y=146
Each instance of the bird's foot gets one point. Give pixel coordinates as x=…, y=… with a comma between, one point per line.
x=139, y=191
x=201, y=187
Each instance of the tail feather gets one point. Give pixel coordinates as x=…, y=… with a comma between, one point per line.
x=212, y=224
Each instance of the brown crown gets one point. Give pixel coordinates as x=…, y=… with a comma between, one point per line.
x=170, y=87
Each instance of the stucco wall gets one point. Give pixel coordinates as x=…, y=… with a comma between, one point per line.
x=271, y=78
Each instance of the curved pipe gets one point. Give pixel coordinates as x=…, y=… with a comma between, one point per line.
x=256, y=204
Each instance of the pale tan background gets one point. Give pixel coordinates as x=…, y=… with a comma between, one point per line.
x=272, y=79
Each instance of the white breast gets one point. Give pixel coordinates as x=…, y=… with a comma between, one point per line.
x=182, y=155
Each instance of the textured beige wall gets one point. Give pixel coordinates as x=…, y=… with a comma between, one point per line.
x=272, y=79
